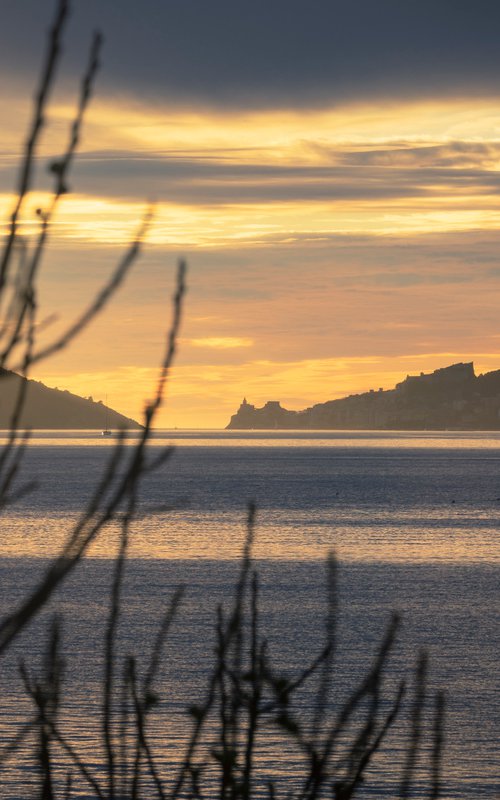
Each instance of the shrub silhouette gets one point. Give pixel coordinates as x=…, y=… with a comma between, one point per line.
x=245, y=694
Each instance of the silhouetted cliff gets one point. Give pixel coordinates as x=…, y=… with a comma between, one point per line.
x=52, y=408
x=449, y=398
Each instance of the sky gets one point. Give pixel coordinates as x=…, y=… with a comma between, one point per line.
x=330, y=171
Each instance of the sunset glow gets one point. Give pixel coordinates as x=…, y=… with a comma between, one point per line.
x=355, y=231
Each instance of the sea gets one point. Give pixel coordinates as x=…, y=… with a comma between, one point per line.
x=412, y=520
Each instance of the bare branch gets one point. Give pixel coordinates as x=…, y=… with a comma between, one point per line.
x=102, y=298
x=46, y=82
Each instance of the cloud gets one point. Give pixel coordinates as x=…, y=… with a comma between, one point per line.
x=221, y=342
x=456, y=155
x=226, y=176
x=286, y=53
x=330, y=169
x=389, y=175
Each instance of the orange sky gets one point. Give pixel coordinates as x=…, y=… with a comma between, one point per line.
x=331, y=249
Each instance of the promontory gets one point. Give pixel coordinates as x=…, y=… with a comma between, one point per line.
x=451, y=398
x=47, y=408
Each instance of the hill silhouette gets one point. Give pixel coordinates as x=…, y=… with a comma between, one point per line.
x=451, y=398
x=53, y=408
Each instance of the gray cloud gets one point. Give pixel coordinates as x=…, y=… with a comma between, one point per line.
x=469, y=254
x=458, y=154
x=380, y=175
x=280, y=53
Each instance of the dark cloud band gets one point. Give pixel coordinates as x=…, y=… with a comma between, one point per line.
x=286, y=53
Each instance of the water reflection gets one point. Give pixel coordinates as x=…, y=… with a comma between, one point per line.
x=401, y=502
x=218, y=438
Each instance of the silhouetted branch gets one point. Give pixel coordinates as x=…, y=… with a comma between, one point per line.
x=416, y=722
x=60, y=170
x=344, y=790
x=94, y=519
x=437, y=750
x=159, y=642
x=101, y=299
x=46, y=81
x=110, y=655
x=244, y=692
x=142, y=740
x=10, y=749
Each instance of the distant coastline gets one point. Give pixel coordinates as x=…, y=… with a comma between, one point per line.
x=450, y=398
x=53, y=409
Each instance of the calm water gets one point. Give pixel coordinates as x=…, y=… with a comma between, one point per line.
x=413, y=518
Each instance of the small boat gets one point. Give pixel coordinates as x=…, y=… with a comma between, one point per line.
x=106, y=431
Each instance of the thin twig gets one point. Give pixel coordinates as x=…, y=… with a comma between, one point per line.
x=437, y=750
x=109, y=656
x=60, y=169
x=101, y=299
x=91, y=522
x=46, y=82
x=327, y=664
x=416, y=724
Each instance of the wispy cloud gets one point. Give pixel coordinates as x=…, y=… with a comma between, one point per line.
x=220, y=342
x=221, y=178
x=339, y=210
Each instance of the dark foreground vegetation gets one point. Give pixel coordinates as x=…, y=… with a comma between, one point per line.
x=245, y=696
